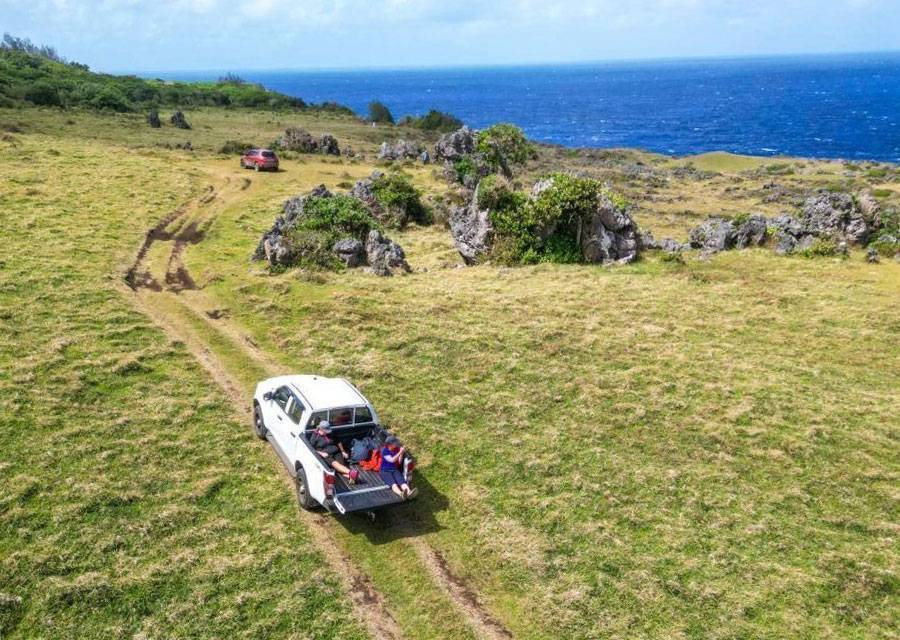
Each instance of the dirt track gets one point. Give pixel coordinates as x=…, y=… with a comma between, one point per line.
x=168, y=294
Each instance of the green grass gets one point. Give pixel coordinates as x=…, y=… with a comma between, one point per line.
x=134, y=501
x=663, y=450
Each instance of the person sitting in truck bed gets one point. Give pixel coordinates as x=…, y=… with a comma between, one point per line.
x=390, y=472
x=334, y=454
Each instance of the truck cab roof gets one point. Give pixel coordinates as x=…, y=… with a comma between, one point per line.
x=322, y=393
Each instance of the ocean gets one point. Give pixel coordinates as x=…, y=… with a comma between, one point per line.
x=845, y=106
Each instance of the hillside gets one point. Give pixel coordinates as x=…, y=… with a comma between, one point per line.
x=31, y=75
x=665, y=449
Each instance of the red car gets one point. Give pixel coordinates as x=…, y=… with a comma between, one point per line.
x=260, y=159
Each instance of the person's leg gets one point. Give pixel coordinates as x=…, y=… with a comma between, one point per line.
x=389, y=479
x=340, y=468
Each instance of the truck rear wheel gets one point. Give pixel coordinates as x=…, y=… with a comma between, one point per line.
x=304, y=500
x=259, y=427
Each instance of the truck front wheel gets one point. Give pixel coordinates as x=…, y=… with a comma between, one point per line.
x=259, y=427
x=304, y=500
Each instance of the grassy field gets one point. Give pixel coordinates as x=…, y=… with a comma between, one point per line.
x=663, y=450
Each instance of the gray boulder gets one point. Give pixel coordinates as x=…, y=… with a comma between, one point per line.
x=751, y=232
x=298, y=139
x=153, y=119
x=836, y=214
x=786, y=243
x=350, y=251
x=328, y=145
x=713, y=235
x=385, y=256
x=609, y=234
x=872, y=256
x=804, y=243
x=179, y=121
x=399, y=150
x=647, y=242
x=472, y=231
x=364, y=190
x=673, y=246
x=455, y=146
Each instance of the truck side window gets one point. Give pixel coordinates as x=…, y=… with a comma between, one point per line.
x=363, y=415
x=295, y=411
x=281, y=397
x=316, y=418
x=341, y=417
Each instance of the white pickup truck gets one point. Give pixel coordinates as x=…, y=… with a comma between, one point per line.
x=286, y=411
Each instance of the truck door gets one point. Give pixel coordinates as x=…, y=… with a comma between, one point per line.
x=277, y=421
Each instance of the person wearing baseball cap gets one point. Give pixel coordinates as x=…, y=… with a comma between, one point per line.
x=391, y=464
x=332, y=452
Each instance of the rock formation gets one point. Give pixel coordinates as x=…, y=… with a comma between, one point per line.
x=179, y=121
x=385, y=256
x=399, y=150
x=328, y=145
x=455, y=146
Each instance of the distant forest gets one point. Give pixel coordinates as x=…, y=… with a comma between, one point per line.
x=38, y=75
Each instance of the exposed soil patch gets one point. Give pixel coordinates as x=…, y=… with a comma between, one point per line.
x=158, y=232
x=177, y=276
x=179, y=280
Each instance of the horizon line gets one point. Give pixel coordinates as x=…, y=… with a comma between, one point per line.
x=513, y=65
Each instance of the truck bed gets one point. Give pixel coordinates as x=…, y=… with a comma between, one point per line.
x=369, y=493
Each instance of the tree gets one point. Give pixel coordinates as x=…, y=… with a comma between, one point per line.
x=504, y=145
x=434, y=120
x=378, y=112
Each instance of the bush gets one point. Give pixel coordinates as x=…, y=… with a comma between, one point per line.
x=543, y=229
x=400, y=199
x=822, y=247
x=504, y=145
x=111, y=99
x=378, y=112
x=887, y=240
x=43, y=93
x=434, y=120
x=324, y=222
x=232, y=147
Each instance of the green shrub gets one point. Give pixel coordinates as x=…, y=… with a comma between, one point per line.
x=887, y=240
x=822, y=247
x=464, y=167
x=880, y=172
x=325, y=221
x=504, y=145
x=434, y=120
x=544, y=229
x=232, y=147
x=378, y=112
x=110, y=98
x=43, y=93
x=400, y=199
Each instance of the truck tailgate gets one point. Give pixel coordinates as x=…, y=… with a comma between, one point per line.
x=368, y=494
x=366, y=499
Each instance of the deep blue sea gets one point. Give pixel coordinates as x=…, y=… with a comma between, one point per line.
x=844, y=106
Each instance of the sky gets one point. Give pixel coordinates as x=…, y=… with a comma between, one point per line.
x=170, y=35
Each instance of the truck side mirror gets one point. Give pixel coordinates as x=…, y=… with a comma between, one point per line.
x=267, y=396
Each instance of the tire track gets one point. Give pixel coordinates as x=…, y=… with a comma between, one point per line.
x=369, y=605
